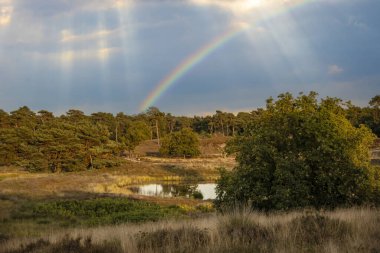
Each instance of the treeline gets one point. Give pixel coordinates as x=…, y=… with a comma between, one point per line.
x=369, y=116
x=75, y=141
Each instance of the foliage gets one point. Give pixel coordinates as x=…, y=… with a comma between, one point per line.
x=184, y=143
x=136, y=132
x=298, y=153
x=93, y=212
x=74, y=141
x=369, y=116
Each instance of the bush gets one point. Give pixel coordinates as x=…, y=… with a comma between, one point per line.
x=197, y=195
x=184, y=143
x=300, y=153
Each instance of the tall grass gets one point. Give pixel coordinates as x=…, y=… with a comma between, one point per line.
x=345, y=230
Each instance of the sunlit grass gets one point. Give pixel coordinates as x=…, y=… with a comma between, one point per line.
x=344, y=230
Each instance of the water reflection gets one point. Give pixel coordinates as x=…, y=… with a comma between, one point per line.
x=189, y=190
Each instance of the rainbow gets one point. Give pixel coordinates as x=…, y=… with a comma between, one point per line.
x=188, y=64
x=197, y=57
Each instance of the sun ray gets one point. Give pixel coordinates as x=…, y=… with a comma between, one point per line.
x=187, y=64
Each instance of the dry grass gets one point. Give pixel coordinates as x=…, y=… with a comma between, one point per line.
x=346, y=230
x=111, y=181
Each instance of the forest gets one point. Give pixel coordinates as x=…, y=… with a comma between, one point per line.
x=41, y=141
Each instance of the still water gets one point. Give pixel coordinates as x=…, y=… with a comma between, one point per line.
x=206, y=190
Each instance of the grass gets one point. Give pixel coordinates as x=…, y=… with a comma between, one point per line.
x=345, y=230
x=34, y=217
x=183, y=239
x=69, y=244
x=92, y=212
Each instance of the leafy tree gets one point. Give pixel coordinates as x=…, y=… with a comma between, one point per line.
x=297, y=153
x=136, y=132
x=375, y=101
x=4, y=119
x=156, y=119
x=369, y=116
x=184, y=143
x=23, y=117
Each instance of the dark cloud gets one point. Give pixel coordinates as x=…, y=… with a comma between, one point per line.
x=91, y=55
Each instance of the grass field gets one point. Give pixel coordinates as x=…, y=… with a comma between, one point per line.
x=345, y=230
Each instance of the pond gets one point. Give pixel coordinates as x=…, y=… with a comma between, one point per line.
x=168, y=190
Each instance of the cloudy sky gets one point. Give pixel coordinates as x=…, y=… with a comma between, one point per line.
x=109, y=55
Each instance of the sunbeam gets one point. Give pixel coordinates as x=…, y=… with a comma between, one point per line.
x=6, y=11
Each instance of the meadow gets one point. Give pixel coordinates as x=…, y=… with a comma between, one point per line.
x=343, y=230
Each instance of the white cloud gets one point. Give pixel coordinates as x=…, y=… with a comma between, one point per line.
x=335, y=70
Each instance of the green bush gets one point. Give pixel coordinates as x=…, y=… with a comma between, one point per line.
x=184, y=143
x=197, y=195
x=300, y=153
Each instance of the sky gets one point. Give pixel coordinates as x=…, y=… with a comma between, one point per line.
x=113, y=55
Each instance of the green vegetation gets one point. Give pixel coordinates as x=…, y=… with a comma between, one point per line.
x=135, y=133
x=369, y=116
x=301, y=153
x=94, y=212
x=74, y=141
x=184, y=143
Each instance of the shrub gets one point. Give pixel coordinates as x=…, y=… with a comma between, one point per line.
x=184, y=143
x=197, y=195
x=300, y=153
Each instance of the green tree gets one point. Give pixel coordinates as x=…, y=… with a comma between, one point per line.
x=23, y=117
x=375, y=101
x=156, y=119
x=136, y=132
x=298, y=153
x=184, y=143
